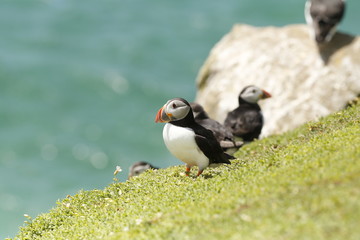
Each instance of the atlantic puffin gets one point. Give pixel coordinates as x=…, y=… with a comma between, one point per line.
x=187, y=140
x=222, y=134
x=139, y=167
x=246, y=121
x=324, y=16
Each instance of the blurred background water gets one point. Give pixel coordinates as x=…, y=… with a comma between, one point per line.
x=81, y=82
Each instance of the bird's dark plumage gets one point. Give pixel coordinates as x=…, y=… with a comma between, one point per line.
x=222, y=134
x=246, y=121
x=201, y=117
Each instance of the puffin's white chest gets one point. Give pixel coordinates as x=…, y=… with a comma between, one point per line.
x=180, y=141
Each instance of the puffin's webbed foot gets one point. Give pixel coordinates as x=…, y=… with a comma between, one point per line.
x=187, y=171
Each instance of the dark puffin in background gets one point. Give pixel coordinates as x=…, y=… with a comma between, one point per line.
x=246, y=121
x=324, y=16
x=139, y=167
x=187, y=140
x=222, y=134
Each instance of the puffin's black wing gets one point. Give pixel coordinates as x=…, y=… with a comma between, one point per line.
x=210, y=147
x=221, y=133
x=245, y=124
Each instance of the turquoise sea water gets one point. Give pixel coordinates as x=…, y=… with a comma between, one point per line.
x=81, y=82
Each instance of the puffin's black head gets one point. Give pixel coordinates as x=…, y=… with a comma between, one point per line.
x=252, y=94
x=324, y=16
x=174, y=110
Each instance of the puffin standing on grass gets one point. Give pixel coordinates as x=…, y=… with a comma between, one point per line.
x=222, y=134
x=246, y=121
x=187, y=140
x=324, y=16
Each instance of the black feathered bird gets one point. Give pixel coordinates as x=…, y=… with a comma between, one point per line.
x=246, y=121
x=222, y=134
x=187, y=140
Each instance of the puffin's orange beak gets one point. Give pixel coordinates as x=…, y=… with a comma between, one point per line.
x=265, y=94
x=162, y=116
x=158, y=115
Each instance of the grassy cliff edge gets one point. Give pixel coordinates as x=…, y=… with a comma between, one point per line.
x=304, y=184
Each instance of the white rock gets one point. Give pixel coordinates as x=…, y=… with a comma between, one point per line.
x=306, y=81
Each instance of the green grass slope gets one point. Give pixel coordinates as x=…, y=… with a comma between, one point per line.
x=304, y=184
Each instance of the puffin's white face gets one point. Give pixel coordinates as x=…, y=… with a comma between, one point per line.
x=174, y=109
x=136, y=170
x=253, y=94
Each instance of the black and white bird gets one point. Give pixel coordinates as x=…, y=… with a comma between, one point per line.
x=324, y=16
x=246, y=121
x=187, y=140
x=222, y=134
x=139, y=167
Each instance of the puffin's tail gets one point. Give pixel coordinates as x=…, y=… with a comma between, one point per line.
x=226, y=158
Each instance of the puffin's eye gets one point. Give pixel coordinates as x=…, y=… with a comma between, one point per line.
x=174, y=105
x=254, y=91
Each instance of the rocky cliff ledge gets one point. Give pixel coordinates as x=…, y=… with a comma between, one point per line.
x=307, y=81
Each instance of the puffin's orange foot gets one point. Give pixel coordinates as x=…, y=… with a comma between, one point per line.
x=199, y=172
x=187, y=171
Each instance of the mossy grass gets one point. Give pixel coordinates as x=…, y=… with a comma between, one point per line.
x=304, y=184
